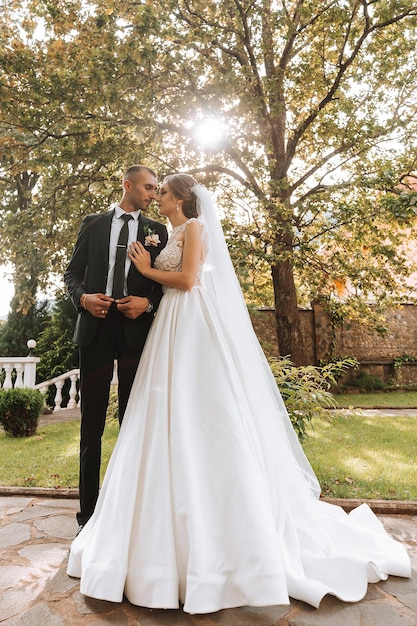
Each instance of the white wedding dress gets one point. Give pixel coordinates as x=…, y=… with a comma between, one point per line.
x=204, y=501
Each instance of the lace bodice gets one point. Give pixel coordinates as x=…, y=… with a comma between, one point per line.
x=170, y=258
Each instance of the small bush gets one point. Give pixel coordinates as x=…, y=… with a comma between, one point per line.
x=20, y=410
x=306, y=390
x=366, y=382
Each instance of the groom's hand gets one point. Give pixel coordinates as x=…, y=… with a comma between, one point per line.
x=97, y=304
x=132, y=306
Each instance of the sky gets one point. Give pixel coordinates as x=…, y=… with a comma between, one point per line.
x=7, y=290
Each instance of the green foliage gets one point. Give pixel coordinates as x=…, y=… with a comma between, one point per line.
x=250, y=263
x=399, y=361
x=365, y=381
x=58, y=353
x=361, y=260
x=306, y=390
x=20, y=410
x=320, y=132
x=19, y=327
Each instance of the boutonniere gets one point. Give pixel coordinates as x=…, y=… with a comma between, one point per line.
x=151, y=237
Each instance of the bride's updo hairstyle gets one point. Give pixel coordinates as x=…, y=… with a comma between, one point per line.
x=181, y=185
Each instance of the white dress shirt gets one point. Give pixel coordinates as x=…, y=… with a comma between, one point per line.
x=116, y=227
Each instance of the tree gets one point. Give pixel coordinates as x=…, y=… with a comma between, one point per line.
x=310, y=92
x=58, y=354
x=20, y=327
x=59, y=159
x=320, y=124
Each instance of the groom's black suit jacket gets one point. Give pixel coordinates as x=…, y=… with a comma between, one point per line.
x=88, y=269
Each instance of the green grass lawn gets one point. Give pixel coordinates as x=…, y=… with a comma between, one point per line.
x=390, y=399
x=353, y=457
x=365, y=457
x=50, y=458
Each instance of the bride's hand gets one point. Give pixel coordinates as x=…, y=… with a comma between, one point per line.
x=140, y=257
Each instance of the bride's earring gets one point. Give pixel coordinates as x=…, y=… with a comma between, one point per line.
x=178, y=208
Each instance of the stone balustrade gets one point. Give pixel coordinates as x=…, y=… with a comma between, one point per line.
x=18, y=371
x=58, y=382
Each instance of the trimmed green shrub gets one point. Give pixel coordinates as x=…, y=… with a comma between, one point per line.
x=20, y=410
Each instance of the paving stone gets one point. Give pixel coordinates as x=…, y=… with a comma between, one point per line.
x=374, y=593
x=48, y=597
x=33, y=512
x=14, y=534
x=43, y=562
x=37, y=534
x=15, y=601
x=45, y=556
x=12, y=504
x=87, y=605
x=386, y=614
x=412, y=553
x=39, y=614
x=396, y=585
x=401, y=527
x=61, y=583
x=409, y=600
x=60, y=526
x=402, y=589
x=171, y=617
x=333, y=612
x=10, y=575
x=248, y=616
x=117, y=618
x=60, y=503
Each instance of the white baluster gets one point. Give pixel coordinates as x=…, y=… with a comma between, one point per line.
x=8, y=380
x=18, y=383
x=73, y=392
x=30, y=371
x=58, y=396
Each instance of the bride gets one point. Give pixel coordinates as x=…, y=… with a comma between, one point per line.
x=208, y=499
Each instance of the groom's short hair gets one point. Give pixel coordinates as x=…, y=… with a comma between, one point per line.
x=134, y=169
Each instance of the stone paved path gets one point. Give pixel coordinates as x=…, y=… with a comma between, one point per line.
x=35, y=535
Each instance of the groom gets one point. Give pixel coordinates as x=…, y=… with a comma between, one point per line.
x=116, y=306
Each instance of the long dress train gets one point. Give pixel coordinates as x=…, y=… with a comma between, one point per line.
x=204, y=501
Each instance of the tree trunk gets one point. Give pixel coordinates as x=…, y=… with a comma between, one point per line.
x=290, y=339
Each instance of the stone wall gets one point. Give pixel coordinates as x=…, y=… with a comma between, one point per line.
x=354, y=339
x=375, y=352
x=263, y=321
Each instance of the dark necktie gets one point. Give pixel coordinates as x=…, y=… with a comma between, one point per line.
x=119, y=266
